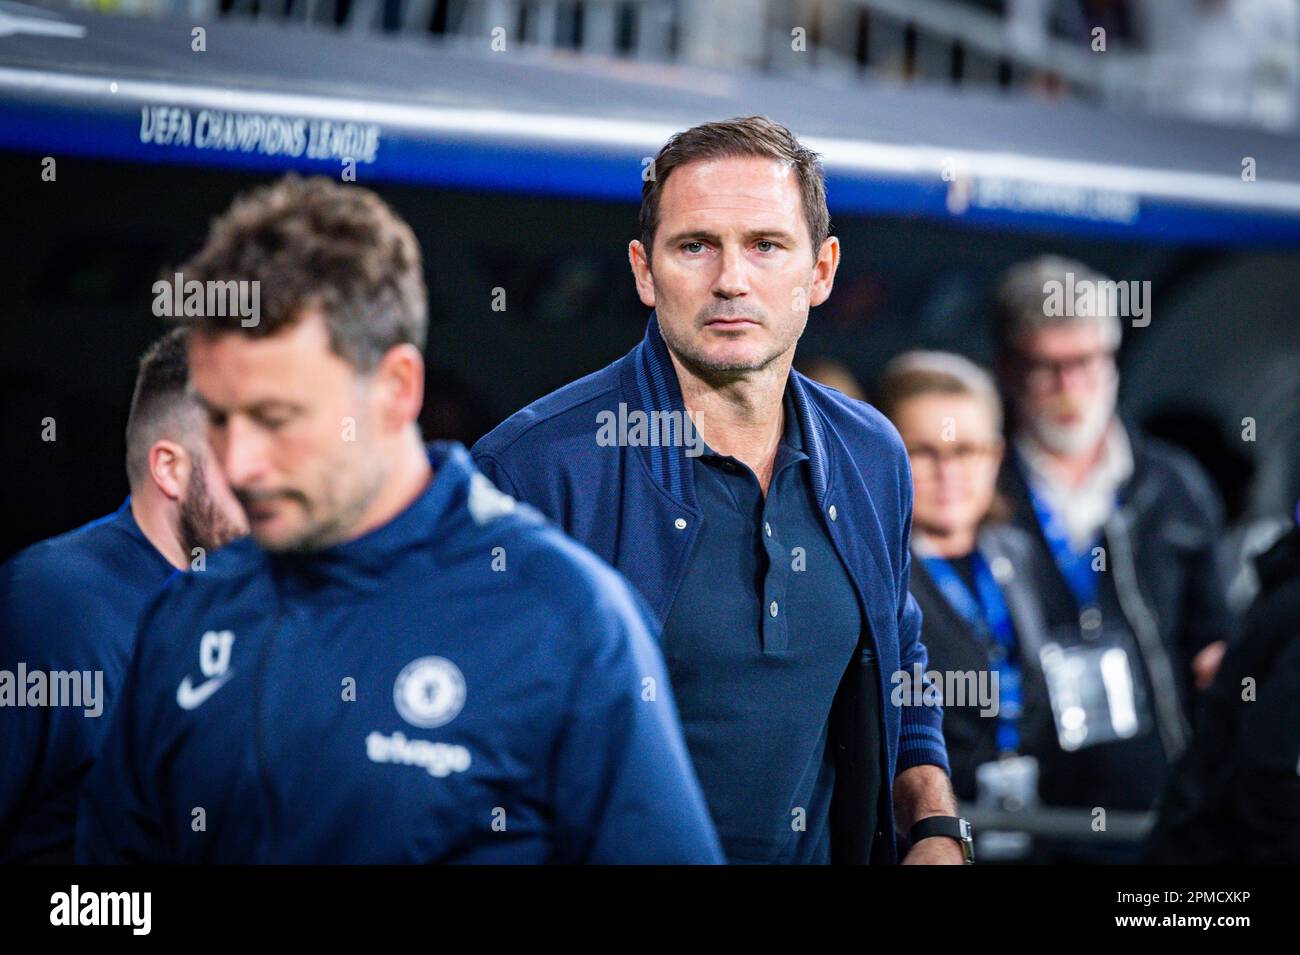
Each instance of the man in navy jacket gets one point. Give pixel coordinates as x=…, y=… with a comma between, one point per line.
x=763, y=517
x=70, y=605
x=404, y=666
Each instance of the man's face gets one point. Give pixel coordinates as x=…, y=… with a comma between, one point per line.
x=955, y=452
x=290, y=424
x=734, y=273
x=1066, y=386
x=210, y=515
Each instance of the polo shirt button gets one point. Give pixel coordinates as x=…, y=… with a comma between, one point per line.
x=772, y=608
x=767, y=528
x=680, y=523
x=831, y=511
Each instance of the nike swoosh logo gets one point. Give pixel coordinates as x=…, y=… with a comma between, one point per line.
x=189, y=696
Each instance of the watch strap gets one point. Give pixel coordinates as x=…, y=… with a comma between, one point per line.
x=954, y=827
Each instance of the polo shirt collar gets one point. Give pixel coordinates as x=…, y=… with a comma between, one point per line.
x=649, y=384
x=124, y=517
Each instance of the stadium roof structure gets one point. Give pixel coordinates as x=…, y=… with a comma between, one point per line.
x=273, y=96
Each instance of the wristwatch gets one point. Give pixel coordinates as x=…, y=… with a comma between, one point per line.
x=952, y=826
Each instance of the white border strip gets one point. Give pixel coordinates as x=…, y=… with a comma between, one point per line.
x=845, y=155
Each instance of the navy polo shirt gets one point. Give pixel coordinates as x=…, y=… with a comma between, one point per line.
x=761, y=631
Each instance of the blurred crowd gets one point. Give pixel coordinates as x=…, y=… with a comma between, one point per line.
x=1078, y=561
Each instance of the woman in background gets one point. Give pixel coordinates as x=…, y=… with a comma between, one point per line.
x=971, y=575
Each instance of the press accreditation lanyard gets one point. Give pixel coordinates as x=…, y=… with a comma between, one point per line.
x=1075, y=566
x=986, y=611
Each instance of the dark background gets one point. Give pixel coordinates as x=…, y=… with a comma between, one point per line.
x=79, y=256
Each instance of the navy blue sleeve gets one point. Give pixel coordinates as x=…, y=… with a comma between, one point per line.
x=23, y=730
x=491, y=468
x=47, y=624
x=625, y=789
x=535, y=486
x=921, y=739
x=23, y=736
x=118, y=818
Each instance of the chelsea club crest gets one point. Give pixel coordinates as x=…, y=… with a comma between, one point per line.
x=429, y=692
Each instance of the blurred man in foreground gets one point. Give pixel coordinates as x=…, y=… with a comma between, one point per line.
x=403, y=666
x=70, y=605
x=1128, y=526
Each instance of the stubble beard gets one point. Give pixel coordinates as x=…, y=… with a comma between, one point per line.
x=201, y=524
x=344, y=510
x=1084, y=435
x=700, y=363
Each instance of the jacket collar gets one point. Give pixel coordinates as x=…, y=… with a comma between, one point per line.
x=649, y=385
x=124, y=517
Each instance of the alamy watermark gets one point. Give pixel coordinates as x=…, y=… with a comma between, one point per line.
x=1090, y=298
x=83, y=688
x=177, y=298
x=75, y=907
x=648, y=429
x=946, y=688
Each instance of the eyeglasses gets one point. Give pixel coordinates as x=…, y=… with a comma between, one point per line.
x=1041, y=374
x=962, y=454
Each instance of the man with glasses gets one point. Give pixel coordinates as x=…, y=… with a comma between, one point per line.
x=1127, y=527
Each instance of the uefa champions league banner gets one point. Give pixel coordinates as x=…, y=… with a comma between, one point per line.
x=132, y=91
x=233, y=131
x=357, y=140
x=453, y=148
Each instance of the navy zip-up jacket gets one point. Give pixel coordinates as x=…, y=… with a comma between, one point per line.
x=462, y=684
x=634, y=505
x=71, y=604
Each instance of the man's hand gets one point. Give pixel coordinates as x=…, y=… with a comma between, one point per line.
x=920, y=792
x=1206, y=663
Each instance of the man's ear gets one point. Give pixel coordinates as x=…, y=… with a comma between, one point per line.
x=640, y=262
x=824, y=269
x=169, y=468
x=400, y=376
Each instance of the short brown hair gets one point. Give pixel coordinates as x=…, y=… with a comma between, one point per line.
x=160, y=398
x=742, y=136
x=316, y=243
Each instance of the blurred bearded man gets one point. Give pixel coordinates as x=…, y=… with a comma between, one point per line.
x=1129, y=526
x=72, y=603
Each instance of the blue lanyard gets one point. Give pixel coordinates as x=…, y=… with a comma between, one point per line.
x=1075, y=567
x=986, y=611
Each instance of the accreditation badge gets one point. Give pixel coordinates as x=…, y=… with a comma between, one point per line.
x=1095, y=694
